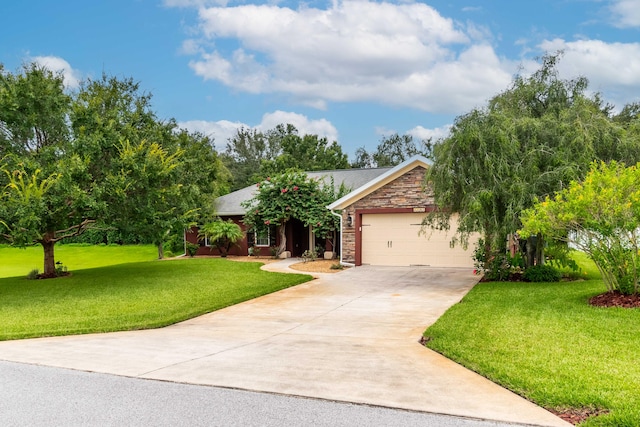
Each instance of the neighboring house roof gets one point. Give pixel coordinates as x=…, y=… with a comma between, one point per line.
x=379, y=181
x=231, y=204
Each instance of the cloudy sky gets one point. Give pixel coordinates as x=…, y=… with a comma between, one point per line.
x=349, y=70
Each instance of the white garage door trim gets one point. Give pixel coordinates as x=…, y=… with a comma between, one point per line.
x=393, y=239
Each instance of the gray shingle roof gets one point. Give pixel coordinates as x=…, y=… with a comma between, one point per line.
x=230, y=204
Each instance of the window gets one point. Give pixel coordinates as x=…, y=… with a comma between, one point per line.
x=263, y=237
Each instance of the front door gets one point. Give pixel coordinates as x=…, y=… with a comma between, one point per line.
x=298, y=238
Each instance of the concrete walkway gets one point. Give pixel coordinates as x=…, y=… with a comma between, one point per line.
x=351, y=336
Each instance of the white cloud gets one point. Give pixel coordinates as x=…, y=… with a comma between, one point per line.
x=396, y=54
x=626, y=13
x=56, y=64
x=223, y=130
x=612, y=68
x=435, y=134
x=220, y=131
x=320, y=127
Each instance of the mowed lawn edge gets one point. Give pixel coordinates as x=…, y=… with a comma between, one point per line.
x=131, y=296
x=547, y=344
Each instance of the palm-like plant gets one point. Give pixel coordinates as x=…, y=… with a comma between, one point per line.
x=222, y=234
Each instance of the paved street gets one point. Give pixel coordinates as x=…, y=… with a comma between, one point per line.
x=41, y=396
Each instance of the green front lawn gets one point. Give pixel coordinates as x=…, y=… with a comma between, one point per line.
x=544, y=341
x=130, y=296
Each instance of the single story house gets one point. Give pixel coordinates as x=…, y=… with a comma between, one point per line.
x=380, y=221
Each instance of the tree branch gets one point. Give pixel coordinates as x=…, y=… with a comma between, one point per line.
x=74, y=230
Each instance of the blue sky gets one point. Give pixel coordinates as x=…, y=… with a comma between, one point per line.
x=349, y=70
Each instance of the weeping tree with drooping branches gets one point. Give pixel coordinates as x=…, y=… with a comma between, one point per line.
x=529, y=141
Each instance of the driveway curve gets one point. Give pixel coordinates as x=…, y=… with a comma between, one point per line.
x=351, y=336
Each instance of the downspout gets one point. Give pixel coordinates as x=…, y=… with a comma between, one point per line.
x=184, y=242
x=341, y=234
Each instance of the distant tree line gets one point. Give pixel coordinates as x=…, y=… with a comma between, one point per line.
x=252, y=155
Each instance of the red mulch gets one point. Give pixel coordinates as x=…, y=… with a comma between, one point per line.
x=616, y=299
x=53, y=275
x=577, y=415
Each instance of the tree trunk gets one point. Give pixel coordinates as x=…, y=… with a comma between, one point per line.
x=160, y=251
x=49, y=259
x=283, y=238
x=540, y=250
x=531, y=252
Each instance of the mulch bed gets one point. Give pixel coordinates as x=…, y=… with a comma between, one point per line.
x=577, y=415
x=615, y=299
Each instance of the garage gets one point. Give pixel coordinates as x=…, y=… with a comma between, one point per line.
x=381, y=221
x=393, y=239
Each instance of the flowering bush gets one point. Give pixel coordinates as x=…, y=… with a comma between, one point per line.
x=601, y=217
x=275, y=204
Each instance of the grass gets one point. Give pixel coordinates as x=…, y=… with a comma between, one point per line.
x=546, y=343
x=130, y=296
x=19, y=262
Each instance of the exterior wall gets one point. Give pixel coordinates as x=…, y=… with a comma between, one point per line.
x=296, y=244
x=241, y=248
x=404, y=194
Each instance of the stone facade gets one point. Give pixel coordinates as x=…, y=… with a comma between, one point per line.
x=405, y=192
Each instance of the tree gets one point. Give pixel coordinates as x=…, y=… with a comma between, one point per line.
x=33, y=111
x=115, y=125
x=600, y=216
x=529, y=141
x=98, y=157
x=362, y=159
x=251, y=156
x=293, y=195
x=244, y=153
x=391, y=151
x=308, y=153
x=222, y=234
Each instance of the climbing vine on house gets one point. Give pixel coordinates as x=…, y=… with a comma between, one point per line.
x=293, y=195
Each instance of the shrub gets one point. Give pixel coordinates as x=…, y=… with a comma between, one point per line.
x=174, y=243
x=274, y=251
x=33, y=274
x=61, y=270
x=309, y=255
x=337, y=266
x=542, y=273
x=192, y=249
x=255, y=251
x=223, y=234
x=497, y=266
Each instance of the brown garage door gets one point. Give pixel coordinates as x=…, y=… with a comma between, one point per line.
x=393, y=239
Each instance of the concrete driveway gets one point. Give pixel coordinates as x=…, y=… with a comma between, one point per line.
x=352, y=336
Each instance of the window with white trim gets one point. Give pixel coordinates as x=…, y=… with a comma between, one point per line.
x=263, y=237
